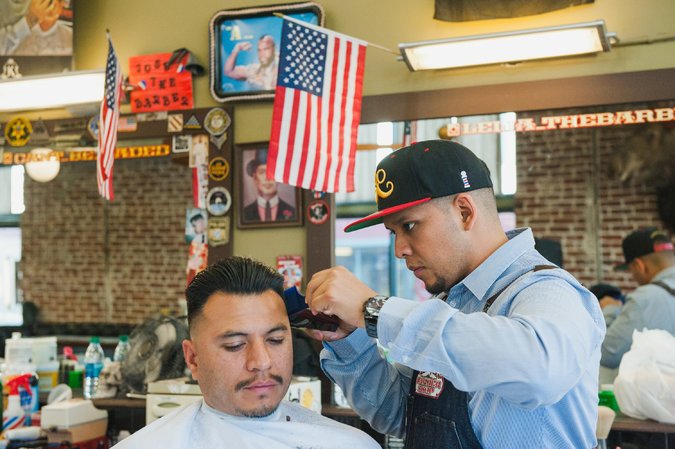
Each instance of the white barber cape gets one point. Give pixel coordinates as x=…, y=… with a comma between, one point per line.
x=291, y=426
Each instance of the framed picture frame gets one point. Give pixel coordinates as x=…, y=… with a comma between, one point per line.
x=264, y=202
x=44, y=49
x=244, y=49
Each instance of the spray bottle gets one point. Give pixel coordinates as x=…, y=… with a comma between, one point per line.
x=29, y=399
x=14, y=415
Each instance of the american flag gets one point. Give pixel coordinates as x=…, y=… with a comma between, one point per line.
x=107, y=133
x=409, y=132
x=317, y=108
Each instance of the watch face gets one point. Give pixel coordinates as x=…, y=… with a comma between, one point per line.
x=374, y=304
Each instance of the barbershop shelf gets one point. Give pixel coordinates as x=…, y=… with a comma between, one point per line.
x=114, y=403
x=334, y=411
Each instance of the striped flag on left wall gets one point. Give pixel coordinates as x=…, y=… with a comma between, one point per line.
x=110, y=114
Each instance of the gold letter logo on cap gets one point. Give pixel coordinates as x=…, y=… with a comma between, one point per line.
x=380, y=177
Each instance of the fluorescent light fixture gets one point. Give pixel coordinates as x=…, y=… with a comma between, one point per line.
x=52, y=91
x=510, y=46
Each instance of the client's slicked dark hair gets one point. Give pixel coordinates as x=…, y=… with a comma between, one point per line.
x=232, y=275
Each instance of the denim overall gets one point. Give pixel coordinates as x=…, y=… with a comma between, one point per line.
x=437, y=413
x=439, y=423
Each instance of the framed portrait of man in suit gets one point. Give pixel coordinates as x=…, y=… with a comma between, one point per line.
x=264, y=202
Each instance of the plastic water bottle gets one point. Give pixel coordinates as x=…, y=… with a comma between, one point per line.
x=93, y=364
x=122, y=349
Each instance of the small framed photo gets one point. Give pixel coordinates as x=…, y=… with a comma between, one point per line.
x=264, y=202
x=182, y=143
x=196, y=224
x=244, y=49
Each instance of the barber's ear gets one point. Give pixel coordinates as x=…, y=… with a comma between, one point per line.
x=467, y=209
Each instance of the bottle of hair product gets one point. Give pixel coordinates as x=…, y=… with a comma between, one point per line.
x=29, y=398
x=14, y=415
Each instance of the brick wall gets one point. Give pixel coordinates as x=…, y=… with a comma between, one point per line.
x=567, y=192
x=66, y=270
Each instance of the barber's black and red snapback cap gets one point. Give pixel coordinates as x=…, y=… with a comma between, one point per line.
x=420, y=172
x=642, y=242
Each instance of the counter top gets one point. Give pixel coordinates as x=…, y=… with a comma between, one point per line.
x=623, y=423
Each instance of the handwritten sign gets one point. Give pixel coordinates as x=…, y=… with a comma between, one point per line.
x=159, y=88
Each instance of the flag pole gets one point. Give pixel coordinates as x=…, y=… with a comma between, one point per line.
x=300, y=22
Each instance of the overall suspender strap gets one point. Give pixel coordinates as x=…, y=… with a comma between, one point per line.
x=492, y=298
x=664, y=286
x=437, y=413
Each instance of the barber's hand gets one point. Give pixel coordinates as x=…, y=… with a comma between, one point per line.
x=341, y=332
x=336, y=291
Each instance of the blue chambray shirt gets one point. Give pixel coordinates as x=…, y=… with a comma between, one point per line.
x=647, y=307
x=530, y=365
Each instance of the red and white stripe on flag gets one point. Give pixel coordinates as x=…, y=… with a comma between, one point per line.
x=107, y=125
x=409, y=132
x=317, y=108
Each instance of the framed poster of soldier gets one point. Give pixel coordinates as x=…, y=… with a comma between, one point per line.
x=264, y=202
x=244, y=49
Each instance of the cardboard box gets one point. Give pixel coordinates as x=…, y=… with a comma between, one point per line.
x=79, y=433
x=306, y=391
x=73, y=412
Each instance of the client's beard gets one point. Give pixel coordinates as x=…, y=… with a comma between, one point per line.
x=262, y=411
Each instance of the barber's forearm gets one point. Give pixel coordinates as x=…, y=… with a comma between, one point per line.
x=616, y=344
x=620, y=335
x=375, y=389
x=507, y=356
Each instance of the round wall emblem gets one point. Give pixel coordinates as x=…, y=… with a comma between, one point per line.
x=218, y=201
x=92, y=127
x=18, y=131
x=217, y=121
x=318, y=212
x=219, y=169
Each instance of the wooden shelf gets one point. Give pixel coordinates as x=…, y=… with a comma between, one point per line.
x=112, y=403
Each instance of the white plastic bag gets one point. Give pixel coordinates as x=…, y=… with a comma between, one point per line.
x=645, y=386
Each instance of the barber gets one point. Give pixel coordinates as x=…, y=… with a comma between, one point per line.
x=648, y=254
x=507, y=353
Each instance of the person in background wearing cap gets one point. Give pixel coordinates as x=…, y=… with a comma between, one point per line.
x=610, y=299
x=267, y=206
x=506, y=355
x=648, y=255
x=241, y=355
